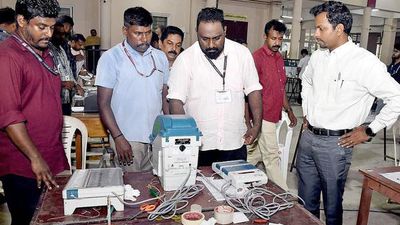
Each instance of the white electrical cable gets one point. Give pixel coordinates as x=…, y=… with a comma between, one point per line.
x=180, y=196
x=253, y=201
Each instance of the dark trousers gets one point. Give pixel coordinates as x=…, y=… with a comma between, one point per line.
x=206, y=158
x=322, y=165
x=66, y=108
x=22, y=196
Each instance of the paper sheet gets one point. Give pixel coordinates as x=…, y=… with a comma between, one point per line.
x=394, y=176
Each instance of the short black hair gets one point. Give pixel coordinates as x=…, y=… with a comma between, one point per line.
x=154, y=37
x=7, y=15
x=275, y=25
x=337, y=13
x=32, y=8
x=66, y=19
x=210, y=15
x=304, y=51
x=78, y=37
x=397, y=46
x=171, y=30
x=137, y=16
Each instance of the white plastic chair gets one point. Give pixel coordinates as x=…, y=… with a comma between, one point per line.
x=284, y=147
x=71, y=125
x=396, y=132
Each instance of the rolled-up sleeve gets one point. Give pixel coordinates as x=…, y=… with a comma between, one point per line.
x=10, y=88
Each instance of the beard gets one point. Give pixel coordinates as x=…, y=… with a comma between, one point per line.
x=212, y=53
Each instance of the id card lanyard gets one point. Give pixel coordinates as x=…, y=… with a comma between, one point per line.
x=54, y=70
x=222, y=75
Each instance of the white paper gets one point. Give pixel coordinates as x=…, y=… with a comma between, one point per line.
x=394, y=176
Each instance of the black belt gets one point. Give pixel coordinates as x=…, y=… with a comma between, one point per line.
x=326, y=132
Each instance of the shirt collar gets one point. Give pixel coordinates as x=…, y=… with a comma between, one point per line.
x=341, y=50
x=136, y=53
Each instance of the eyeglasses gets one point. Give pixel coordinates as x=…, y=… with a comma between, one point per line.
x=134, y=65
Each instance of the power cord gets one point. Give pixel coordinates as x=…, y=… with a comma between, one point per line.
x=180, y=197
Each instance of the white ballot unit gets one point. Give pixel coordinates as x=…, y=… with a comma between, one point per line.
x=95, y=187
x=175, y=143
x=240, y=173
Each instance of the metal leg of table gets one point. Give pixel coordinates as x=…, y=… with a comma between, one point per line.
x=384, y=144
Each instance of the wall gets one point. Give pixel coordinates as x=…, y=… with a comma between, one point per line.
x=85, y=13
x=177, y=11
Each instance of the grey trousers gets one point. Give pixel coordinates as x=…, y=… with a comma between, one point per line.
x=322, y=165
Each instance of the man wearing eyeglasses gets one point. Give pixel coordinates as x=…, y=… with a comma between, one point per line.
x=131, y=85
x=210, y=79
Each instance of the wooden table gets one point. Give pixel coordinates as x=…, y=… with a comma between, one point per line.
x=50, y=209
x=374, y=181
x=95, y=129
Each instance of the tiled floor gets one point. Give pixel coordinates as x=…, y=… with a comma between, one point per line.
x=368, y=155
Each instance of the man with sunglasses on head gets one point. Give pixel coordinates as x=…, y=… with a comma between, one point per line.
x=208, y=82
x=131, y=84
x=31, y=151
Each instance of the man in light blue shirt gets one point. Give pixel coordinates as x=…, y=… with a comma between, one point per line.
x=132, y=84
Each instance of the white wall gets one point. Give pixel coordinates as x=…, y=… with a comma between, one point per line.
x=85, y=13
x=177, y=11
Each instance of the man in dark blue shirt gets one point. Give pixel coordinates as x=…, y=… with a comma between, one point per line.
x=394, y=67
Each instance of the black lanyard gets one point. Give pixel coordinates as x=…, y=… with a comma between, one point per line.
x=54, y=70
x=219, y=72
x=392, y=71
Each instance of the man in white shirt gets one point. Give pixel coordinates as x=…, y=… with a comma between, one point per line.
x=209, y=81
x=339, y=87
x=301, y=67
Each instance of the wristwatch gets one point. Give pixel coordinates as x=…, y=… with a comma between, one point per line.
x=369, y=132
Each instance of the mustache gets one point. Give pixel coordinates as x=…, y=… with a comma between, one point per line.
x=144, y=45
x=276, y=46
x=173, y=52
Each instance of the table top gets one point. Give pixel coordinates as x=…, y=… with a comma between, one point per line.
x=50, y=209
x=375, y=174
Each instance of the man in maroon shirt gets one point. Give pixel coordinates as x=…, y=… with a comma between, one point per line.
x=271, y=72
x=31, y=151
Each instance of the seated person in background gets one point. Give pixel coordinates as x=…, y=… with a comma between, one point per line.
x=171, y=43
x=394, y=67
x=92, y=43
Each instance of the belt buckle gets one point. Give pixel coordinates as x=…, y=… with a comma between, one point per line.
x=324, y=132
